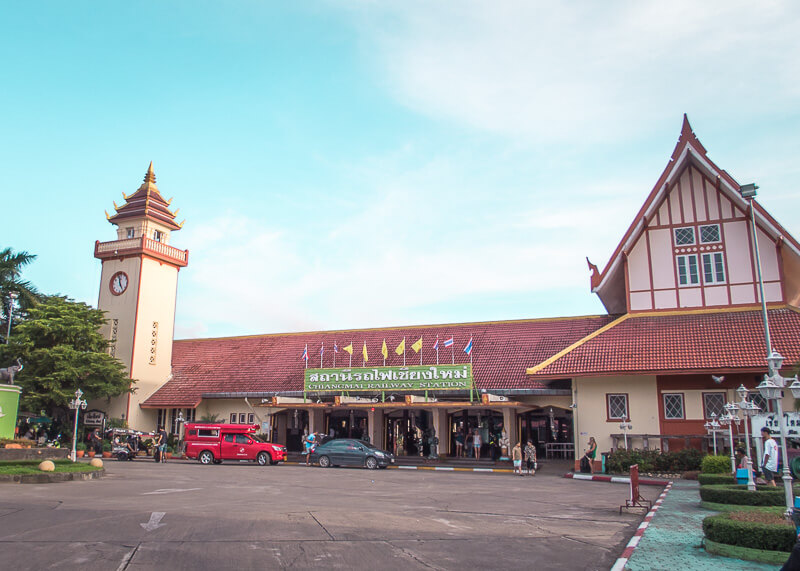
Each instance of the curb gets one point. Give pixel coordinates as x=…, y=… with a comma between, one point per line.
x=616, y=479
x=432, y=468
x=51, y=477
x=637, y=536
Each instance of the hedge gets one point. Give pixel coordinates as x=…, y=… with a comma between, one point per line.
x=740, y=495
x=773, y=537
x=715, y=479
x=716, y=465
x=654, y=460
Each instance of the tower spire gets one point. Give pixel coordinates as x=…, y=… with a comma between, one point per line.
x=150, y=176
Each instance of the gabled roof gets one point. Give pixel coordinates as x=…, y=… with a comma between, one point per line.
x=272, y=363
x=688, y=150
x=146, y=202
x=679, y=342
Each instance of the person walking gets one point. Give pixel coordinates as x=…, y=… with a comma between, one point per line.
x=591, y=452
x=161, y=443
x=476, y=443
x=310, y=443
x=459, y=444
x=516, y=458
x=769, y=462
x=530, y=458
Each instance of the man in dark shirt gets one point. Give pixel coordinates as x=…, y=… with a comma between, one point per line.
x=162, y=444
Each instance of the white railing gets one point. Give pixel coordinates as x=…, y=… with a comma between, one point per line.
x=141, y=244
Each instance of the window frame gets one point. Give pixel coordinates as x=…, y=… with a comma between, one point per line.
x=706, y=413
x=158, y=236
x=675, y=236
x=610, y=418
x=234, y=417
x=688, y=270
x=717, y=261
x=719, y=234
x=130, y=232
x=683, y=405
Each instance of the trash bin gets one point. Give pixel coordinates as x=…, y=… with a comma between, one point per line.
x=604, y=456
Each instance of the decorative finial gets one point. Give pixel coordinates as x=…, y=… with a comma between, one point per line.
x=107, y=216
x=150, y=176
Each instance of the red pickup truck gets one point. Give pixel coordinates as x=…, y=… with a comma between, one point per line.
x=213, y=443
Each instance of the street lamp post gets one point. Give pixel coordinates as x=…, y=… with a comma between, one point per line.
x=748, y=409
x=625, y=426
x=12, y=298
x=729, y=419
x=712, y=428
x=77, y=404
x=772, y=389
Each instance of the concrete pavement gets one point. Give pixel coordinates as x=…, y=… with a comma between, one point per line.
x=188, y=516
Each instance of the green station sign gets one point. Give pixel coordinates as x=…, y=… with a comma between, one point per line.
x=397, y=379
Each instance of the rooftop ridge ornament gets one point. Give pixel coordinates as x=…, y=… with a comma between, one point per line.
x=150, y=176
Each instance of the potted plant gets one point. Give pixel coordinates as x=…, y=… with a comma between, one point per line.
x=170, y=450
x=80, y=449
x=106, y=449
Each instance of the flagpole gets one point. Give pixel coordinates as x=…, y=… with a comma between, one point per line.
x=404, y=351
x=452, y=352
x=420, y=359
x=437, y=349
x=321, y=353
x=351, y=356
x=335, y=347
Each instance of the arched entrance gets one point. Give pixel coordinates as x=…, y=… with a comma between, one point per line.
x=347, y=423
x=545, y=426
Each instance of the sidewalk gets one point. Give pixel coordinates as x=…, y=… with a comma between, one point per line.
x=674, y=538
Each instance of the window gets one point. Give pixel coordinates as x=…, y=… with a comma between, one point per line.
x=763, y=404
x=229, y=438
x=687, y=270
x=713, y=268
x=673, y=406
x=208, y=432
x=713, y=402
x=130, y=232
x=233, y=418
x=709, y=234
x=189, y=415
x=242, y=418
x=617, y=407
x=251, y=418
x=162, y=417
x=158, y=235
x=684, y=236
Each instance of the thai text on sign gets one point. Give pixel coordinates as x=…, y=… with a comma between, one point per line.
x=411, y=378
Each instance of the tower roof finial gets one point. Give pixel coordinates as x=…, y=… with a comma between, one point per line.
x=150, y=176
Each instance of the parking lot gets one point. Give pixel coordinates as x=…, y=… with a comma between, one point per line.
x=183, y=515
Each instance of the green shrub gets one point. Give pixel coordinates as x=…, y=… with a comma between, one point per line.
x=740, y=495
x=80, y=446
x=715, y=479
x=106, y=446
x=716, y=465
x=774, y=537
x=654, y=460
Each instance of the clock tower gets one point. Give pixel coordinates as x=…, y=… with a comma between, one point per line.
x=138, y=287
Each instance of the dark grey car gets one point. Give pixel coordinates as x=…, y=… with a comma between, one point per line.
x=349, y=452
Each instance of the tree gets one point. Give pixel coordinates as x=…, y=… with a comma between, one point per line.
x=62, y=350
x=11, y=265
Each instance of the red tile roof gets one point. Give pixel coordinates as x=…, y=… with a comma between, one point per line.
x=679, y=342
x=271, y=363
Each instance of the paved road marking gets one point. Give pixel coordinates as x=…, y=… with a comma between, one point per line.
x=154, y=523
x=170, y=491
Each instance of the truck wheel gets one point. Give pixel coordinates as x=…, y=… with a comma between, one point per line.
x=263, y=459
x=206, y=457
x=371, y=463
x=324, y=462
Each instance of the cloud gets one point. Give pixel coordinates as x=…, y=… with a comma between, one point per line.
x=582, y=71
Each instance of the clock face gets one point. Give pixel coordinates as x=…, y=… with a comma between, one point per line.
x=119, y=283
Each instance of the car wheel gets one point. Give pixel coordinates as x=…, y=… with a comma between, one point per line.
x=206, y=457
x=263, y=459
x=371, y=463
x=324, y=462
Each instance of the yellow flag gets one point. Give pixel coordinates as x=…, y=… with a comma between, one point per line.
x=417, y=345
x=349, y=348
x=364, y=352
x=384, y=350
x=401, y=348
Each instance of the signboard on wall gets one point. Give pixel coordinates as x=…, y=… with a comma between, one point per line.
x=395, y=379
x=94, y=418
x=771, y=421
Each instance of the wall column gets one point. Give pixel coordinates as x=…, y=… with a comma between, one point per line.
x=440, y=426
x=316, y=420
x=510, y=425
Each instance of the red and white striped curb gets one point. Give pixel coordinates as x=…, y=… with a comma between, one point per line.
x=615, y=479
x=637, y=537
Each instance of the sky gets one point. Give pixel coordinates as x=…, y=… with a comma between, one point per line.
x=380, y=163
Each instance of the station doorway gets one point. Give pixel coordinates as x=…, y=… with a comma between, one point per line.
x=549, y=429
x=348, y=423
x=406, y=432
x=464, y=424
